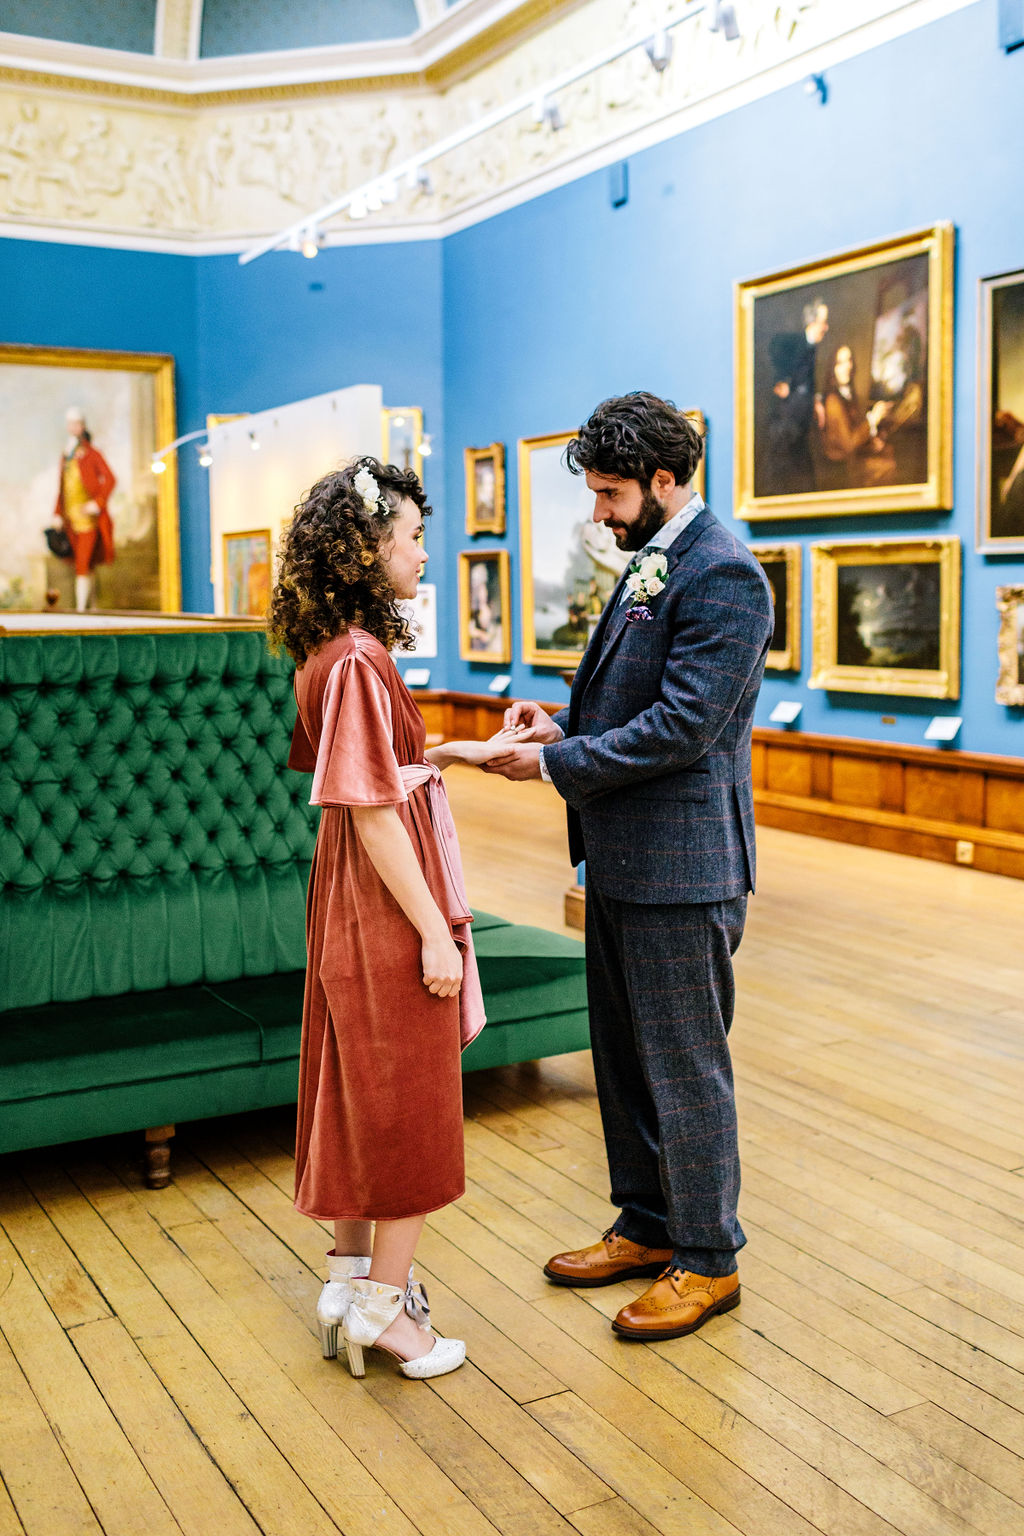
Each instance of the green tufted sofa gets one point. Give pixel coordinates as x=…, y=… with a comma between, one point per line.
x=153, y=858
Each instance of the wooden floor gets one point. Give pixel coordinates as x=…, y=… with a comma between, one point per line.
x=159, y=1370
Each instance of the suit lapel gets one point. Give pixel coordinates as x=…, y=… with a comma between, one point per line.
x=613, y=621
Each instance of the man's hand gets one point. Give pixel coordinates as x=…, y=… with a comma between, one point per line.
x=531, y=722
x=522, y=762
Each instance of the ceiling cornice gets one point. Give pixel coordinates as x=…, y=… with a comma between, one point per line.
x=445, y=48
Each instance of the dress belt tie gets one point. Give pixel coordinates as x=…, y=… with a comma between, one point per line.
x=471, y=1000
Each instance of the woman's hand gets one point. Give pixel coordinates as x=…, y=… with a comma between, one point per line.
x=472, y=753
x=442, y=965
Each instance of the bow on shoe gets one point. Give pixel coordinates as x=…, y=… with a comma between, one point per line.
x=416, y=1303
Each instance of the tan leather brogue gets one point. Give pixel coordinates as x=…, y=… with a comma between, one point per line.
x=677, y=1303
x=613, y=1258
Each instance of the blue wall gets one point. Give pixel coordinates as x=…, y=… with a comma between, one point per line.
x=558, y=303
x=520, y=325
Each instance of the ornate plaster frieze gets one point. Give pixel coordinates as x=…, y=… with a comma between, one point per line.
x=215, y=178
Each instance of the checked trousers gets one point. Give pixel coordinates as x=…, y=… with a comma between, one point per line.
x=661, y=996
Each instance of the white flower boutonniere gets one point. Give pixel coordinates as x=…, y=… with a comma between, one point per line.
x=644, y=583
x=367, y=490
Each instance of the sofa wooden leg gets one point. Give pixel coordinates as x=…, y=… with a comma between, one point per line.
x=158, y=1156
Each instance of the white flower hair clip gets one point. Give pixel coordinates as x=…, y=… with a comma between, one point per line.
x=368, y=491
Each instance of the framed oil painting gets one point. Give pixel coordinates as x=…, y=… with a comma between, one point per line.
x=1001, y=416
x=485, y=606
x=844, y=382
x=247, y=571
x=485, y=489
x=887, y=617
x=569, y=563
x=77, y=484
x=402, y=434
x=1010, y=687
x=782, y=565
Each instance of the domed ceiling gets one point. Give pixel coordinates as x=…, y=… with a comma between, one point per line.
x=195, y=46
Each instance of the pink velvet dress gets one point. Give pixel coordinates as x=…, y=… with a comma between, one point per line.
x=380, y=1084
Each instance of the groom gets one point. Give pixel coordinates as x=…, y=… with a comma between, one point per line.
x=652, y=757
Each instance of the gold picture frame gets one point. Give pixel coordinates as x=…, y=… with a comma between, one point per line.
x=485, y=492
x=820, y=433
x=485, y=606
x=402, y=437
x=155, y=429
x=886, y=617
x=1010, y=684
x=783, y=566
x=247, y=580
x=1000, y=448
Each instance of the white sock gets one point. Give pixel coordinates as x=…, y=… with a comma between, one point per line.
x=83, y=592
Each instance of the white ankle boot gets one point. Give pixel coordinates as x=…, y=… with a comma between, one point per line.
x=336, y=1297
x=373, y=1309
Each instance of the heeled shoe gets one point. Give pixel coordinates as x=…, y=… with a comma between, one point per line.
x=372, y=1310
x=336, y=1297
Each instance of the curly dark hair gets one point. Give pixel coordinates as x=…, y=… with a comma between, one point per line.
x=329, y=570
x=631, y=436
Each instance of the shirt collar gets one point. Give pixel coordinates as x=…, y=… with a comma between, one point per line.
x=670, y=531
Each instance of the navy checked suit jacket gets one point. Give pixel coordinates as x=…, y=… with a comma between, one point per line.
x=655, y=765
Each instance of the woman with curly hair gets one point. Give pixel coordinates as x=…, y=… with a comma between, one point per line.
x=392, y=990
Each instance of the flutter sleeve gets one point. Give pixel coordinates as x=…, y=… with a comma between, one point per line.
x=356, y=762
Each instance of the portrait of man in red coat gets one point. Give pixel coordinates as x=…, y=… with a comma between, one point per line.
x=83, y=493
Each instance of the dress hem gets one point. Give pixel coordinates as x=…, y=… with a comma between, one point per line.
x=362, y=1215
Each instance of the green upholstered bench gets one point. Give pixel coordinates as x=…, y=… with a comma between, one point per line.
x=154, y=856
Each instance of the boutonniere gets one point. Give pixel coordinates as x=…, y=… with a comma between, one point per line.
x=644, y=583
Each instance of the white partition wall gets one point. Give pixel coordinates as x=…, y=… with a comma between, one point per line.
x=263, y=464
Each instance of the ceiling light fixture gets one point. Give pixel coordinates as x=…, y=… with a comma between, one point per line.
x=254, y=442
x=205, y=456
x=659, y=50
x=548, y=112
x=723, y=19
x=817, y=85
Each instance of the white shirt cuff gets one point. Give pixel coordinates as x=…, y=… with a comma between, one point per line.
x=543, y=767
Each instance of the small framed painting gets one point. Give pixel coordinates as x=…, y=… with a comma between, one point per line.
x=402, y=434
x=247, y=573
x=887, y=617
x=781, y=564
x=1010, y=687
x=485, y=606
x=485, y=489
x=1001, y=417
x=844, y=382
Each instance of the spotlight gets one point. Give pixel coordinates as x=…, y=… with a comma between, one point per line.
x=357, y=208
x=254, y=442
x=205, y=455
x=723, y=19
x=373, y=200
x=158, y=466
x=817, y=85
x=548, y=112
x=423, y=446
x=659, y=50
x=398, y=421
x=419, y=181
x=311, y=242
x=387, y=190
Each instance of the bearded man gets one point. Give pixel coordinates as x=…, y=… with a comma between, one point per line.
x=652, y=757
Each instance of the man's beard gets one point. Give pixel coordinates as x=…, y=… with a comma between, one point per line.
x=649, y=519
